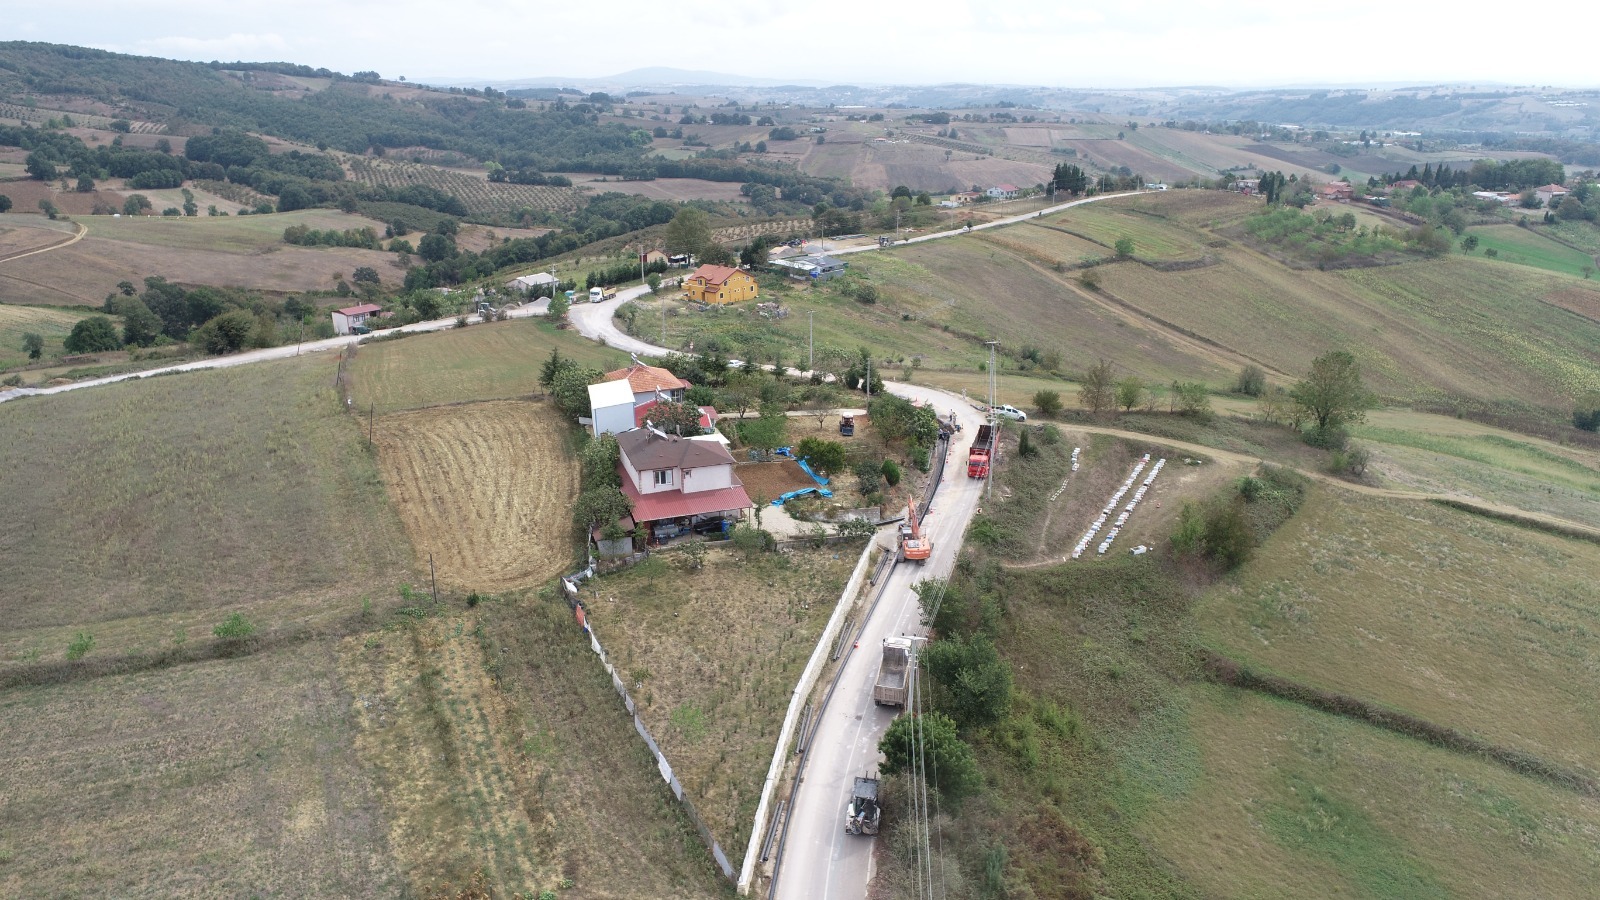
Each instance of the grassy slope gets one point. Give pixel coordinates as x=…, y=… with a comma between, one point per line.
x=128, y=512
x=1464, y=621
x=235, y=234
x=487, y=362
x=51, y=324
x=1525, y=247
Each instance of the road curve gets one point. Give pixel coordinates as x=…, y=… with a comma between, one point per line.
x=76, y=237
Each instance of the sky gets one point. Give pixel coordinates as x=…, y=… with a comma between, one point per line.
x=1126, y=44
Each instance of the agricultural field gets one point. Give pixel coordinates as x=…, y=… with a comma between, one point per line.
x=1583, y=235
x=711, y=657
x=673, y=190
x=236, y=251
x=51, y=324
x=485, y=362
x=485, y=490
x=1138, y=219
x=1461, y=620
x=1525, y=247
x=481, y=196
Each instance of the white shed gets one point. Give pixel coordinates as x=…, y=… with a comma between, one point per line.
x=610, y=407
x=536, y=280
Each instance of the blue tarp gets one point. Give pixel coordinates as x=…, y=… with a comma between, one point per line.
x=801, y=493
x=814, y=476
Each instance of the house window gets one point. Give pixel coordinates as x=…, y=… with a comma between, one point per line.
x=663, y=477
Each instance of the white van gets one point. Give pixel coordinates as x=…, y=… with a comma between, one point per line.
x=1010, y=412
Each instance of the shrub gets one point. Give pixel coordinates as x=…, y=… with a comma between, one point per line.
x=1047, y=402
x=871, y=476
x=234, y=628
x=1332, y=437
x=891, y=472
x=81, y=644
x=1252, y=381
x=93, y=335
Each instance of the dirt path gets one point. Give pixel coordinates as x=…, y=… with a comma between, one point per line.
x=1465, y=500
x=76, y=237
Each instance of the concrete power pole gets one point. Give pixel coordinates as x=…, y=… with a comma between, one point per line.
x=811, y=341
x=994, y=386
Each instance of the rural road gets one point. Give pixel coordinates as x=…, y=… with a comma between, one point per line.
x=78, y=232
x=997, y=223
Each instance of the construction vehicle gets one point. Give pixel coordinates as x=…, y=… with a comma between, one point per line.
x=893, y=671
x=913, y=546
x=847, y=426
x=600, y=295
x=863, y=813
x=979, y=457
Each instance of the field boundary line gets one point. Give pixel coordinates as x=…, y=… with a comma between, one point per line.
x=802, y=693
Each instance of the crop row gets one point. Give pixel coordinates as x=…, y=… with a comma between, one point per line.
x=479, y=194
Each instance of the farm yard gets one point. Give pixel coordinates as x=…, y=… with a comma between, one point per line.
x=711, y=656
x=485, y=488
x=481, y=196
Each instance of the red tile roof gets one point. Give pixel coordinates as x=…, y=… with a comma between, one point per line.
x=643, y=379
x=1552, y=188
x=677, y=504
x=714, y=274
x=358, y=310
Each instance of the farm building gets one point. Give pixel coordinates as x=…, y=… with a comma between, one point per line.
x=1549, y=193
x=1338, y=191
x=534, y=281
x=815, y=268
x=674, y=482
x=352, y=318
x=610, y=408
x=1003, y=192
x=1246, y=186
x=649, y=383
x=651, y=257
x=719, y=284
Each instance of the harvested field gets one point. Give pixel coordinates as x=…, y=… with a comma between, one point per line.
x=770, y=480
x=669, y=189
x=228, y=777
x=486, y=488
x=711, y=656
x=1585, y=303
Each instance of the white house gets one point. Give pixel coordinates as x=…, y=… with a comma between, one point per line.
x=1550, y=192
x=1003, y=192
x=647, y=382
x=610, y=408
x=678, y=481
x=347, y=320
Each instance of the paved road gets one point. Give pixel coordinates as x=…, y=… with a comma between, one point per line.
x=997, y=223
x=819, y=859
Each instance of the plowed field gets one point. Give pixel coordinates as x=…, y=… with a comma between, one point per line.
x=487, y=488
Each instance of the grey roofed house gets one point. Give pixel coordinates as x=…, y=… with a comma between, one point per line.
x=537, y=279
x=816, y=267
x=647, y=449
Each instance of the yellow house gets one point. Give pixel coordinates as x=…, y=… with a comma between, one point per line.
x=719, y=284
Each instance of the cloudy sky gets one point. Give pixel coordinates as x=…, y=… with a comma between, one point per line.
x=1129, y=43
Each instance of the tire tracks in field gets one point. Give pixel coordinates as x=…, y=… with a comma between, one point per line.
x=76, y=237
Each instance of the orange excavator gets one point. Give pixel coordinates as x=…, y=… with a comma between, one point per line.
x=913, y=546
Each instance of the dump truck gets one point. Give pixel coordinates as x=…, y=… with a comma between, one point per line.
x=861, y=816
x=600, y=295
x=978, y=458
x=847, y=426
x=913, y=546
x=893, y=673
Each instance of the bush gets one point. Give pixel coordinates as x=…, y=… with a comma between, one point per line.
x=81, y=644
x=824, y=456
x=234, y=628
x=93, y=335
x=1586, y=414
x=1252, y=381
x=1332, y=437
x=871, y=476
x=1048, y=403
x=891, y=472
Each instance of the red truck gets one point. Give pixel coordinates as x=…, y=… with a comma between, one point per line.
x=978, y=457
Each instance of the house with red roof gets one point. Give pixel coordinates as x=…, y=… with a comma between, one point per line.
x=719, y=284
x=650, y=383
x=1338, y=191
x=1003, y=191
x=353, y=319
x=675, y=482
x=1550, y=192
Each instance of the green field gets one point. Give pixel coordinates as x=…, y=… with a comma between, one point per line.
x=485, y=362
x=233, y=234
x=1461, y=620
x=50, y=323
x=1525, y=247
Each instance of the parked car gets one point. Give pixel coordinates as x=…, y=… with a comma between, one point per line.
x=710, y=526
x=1011, y=412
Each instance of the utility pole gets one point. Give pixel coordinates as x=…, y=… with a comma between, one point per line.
x=988, y=488
x=372, y=412
x=433, y=578
x=811, y=341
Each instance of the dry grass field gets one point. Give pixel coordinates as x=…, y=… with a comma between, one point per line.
x=51, y=324
x=237, y=251
x=485, y=488
x=673, y=190
x=711, y=657
x=1472, y=623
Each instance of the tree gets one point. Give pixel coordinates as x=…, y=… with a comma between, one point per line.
x=971, y=680
x=85, y=184
x=33, y=344
x=1252, y=381
x=365, y=275
x=571, y=389
x=748, y=539
x=5, y=203
x=689, y=232
x=931, y=739
x=1124, y=248
x=1332, y=394
x=599, y=507
x=1130, y=392
x=559, y=306
x=226, y=333
x=436, y=247
x=676, y=418
x=127, y=288
x=890, y=470
x=1586, y=413
x=1191, y=398
x=92, y=335
x=825, y=456
x=140, y=326
x=49, y=209
x=552, y=366
x=1098, y=392
x=136, y=204
x=1048, y=403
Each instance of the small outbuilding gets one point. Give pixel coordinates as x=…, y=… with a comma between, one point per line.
x=353, y=319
